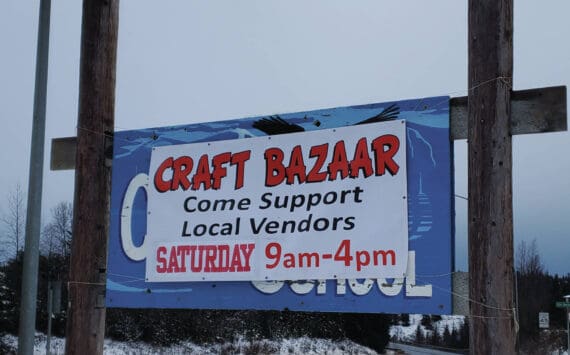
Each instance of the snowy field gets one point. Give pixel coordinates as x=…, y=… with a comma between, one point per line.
x=408, y=333
x=239, y=346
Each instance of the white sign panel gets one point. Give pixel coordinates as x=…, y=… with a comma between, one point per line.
x=312, y=205
x=543, y=320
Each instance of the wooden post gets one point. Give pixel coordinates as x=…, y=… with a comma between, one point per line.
x=490, y=177
x=86, y=312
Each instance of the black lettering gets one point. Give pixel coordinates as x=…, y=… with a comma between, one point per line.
x=349, y=223
x=187, y=202
x=257, y=228
x=266, y=198
x=185, y=232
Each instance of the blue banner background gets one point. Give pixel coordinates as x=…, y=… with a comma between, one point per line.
x=430, y=209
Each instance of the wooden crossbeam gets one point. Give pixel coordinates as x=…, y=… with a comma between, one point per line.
x=533, y=111
x=63, y=153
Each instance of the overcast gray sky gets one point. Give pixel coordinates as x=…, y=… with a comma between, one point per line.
x=196, y=61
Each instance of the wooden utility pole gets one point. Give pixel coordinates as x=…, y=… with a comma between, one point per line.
x=490, y=177
x=95, y=123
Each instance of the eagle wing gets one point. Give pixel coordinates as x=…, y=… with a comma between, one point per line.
x=388, y=114
x=276, y=125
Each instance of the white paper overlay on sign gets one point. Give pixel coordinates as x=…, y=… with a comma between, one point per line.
x=312, y=205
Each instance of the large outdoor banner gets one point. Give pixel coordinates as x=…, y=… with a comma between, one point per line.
x=345, y=209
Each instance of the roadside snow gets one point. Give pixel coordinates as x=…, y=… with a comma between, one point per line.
x=239, y=346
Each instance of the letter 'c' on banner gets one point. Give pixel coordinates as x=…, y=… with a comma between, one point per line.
x=133, y=252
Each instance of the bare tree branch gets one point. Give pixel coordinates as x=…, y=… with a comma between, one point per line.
x=528, y=259
x=56, y=237
x=14, y=220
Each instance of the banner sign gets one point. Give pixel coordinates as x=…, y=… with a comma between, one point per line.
x=286, y=207
x=224, y=215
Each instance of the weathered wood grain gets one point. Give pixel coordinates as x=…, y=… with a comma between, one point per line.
x=489, y=182
x=87, y=274
x=532, y=111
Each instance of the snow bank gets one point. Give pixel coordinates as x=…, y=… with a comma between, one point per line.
x=239, y=346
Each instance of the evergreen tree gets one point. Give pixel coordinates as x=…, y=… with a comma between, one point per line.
x=447, y=339
x=6, y=297
x=405, y=319
x=419, y=335
x=463, y=341
x=434, y=338
x=455, y=337
x=435, y=318
x=371, y=330
x=426, y=322
x=12, y=288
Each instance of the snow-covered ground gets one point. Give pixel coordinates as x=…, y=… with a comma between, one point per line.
x=408, y=333
x=239, y=346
